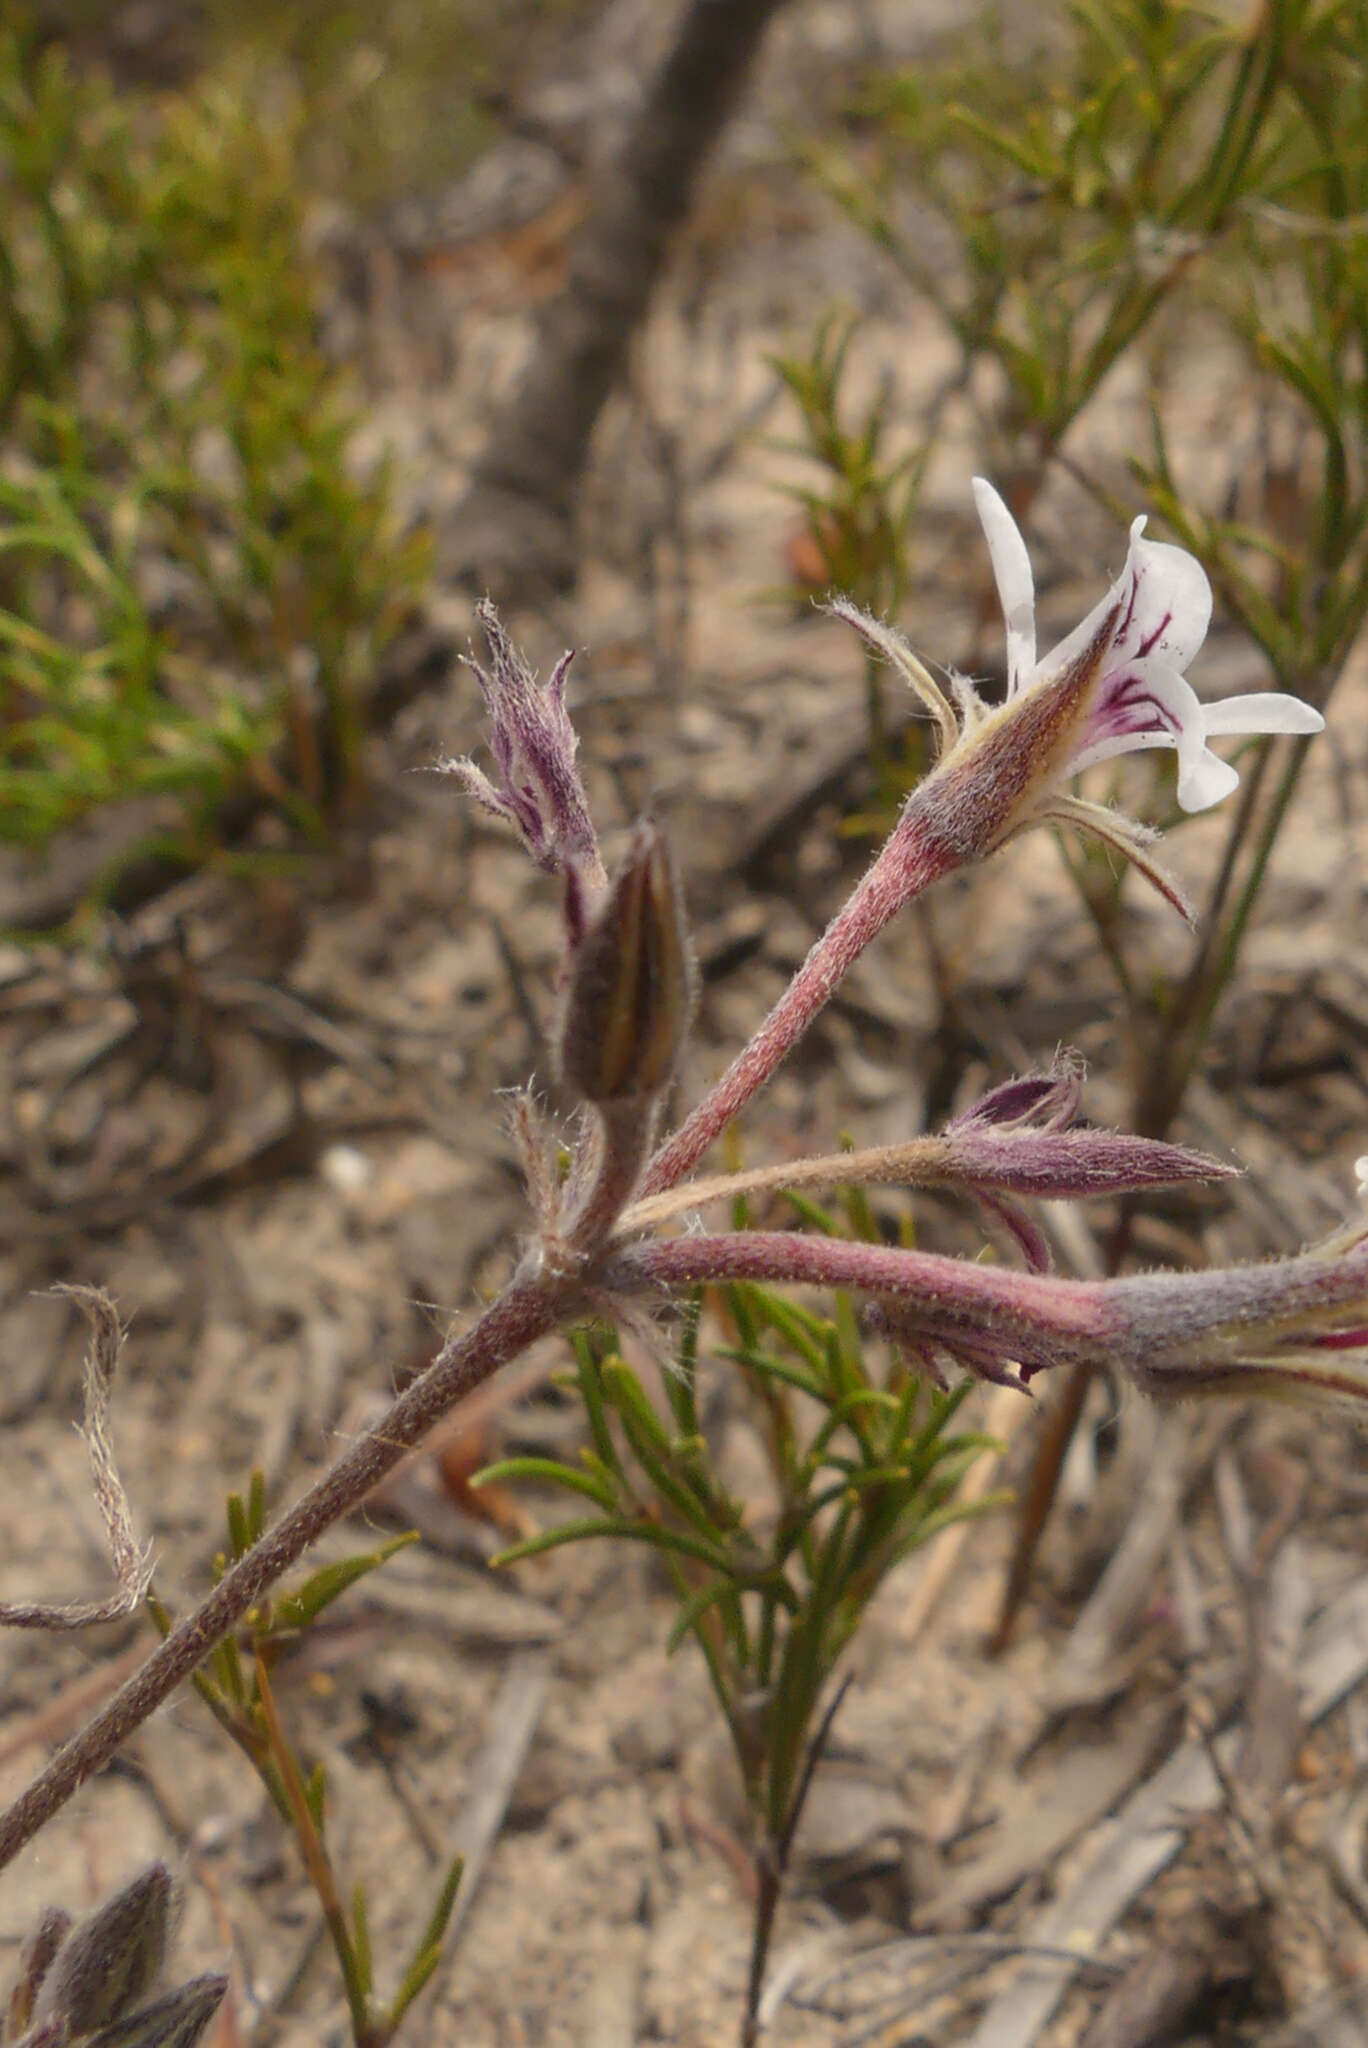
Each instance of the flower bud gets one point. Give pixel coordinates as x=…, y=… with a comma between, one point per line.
x=538, y=789
x=35, y=1960
x=630, y=998
x=1291, y=1330
x=1021, y=1139
x=111, y=1960
x=176, y=2021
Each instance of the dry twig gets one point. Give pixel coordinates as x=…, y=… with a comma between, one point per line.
x=132, y=1563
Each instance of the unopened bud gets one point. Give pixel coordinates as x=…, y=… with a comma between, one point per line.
x=538, y=788
x=631, y=988
x=111, y=1960
x=176, y=2021
x=35, y=1960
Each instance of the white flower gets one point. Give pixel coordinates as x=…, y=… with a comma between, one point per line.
x=1113, y=685
x=1160, y=607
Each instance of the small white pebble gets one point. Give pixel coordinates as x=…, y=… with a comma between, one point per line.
x=346, y=1169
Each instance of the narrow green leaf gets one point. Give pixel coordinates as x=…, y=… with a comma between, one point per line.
x=964, y=1511
x=551, y=1472
x=681, y=1384
x=298, y=1609
x=860, y=1215
x=812, y=1213
x=239, y=1538
x=768, y=1365
x=361, y=1942
x=851, y=1339
x=693, y=1610
x=316, y=1794
x=227, y=1665
x=434, y=1932
x=799, y=1327
x=627, y=1395
x=591, y=1394
x=739, y=1295
x=687, y=1491
x=676, y=1540
x=415, y=1977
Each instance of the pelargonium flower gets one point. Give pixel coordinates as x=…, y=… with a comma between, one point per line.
x=1150, y=626
x=1112, y=686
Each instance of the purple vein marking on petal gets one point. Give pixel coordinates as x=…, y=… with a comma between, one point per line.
x=1157, y=635
x=1132, y=707
x=1123, y=624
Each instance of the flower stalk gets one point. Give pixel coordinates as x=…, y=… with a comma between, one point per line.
x=910, y=860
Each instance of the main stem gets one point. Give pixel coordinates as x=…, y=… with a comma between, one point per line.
x=908, y=863
x=529, y=1308
x=768, y=1886
x=771, y=1869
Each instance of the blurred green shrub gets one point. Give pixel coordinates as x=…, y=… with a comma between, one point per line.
x=194, y=585
x=399, y=97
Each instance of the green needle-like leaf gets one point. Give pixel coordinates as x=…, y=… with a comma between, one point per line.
x=552, y=1472
x=296, y=1610
x=361, y=1942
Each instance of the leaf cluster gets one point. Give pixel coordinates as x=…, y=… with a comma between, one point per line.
x=865, y=1465
x=1075, y=211
x=194, y=586
x=858, y=520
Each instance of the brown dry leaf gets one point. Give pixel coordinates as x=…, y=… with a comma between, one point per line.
x=458, y=1459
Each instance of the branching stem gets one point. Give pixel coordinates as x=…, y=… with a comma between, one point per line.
x=909, y=862
x=531, y=1307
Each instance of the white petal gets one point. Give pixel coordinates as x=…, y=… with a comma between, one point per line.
x=1120, y=743
x=1073, y=644
x=1165, y=608
x=1171, y=608
x=1263, y=711
x=1142, y=704
x=1148, y=704
x=1177, y=715
x=1205, y=781
x=1015, y=584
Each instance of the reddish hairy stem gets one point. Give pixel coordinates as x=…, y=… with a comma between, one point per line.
x=1074, y=1317
x=1288, y=1327
x=908, y=863
x=527, y=1310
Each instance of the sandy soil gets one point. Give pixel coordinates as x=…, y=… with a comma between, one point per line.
x=292, y=1201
